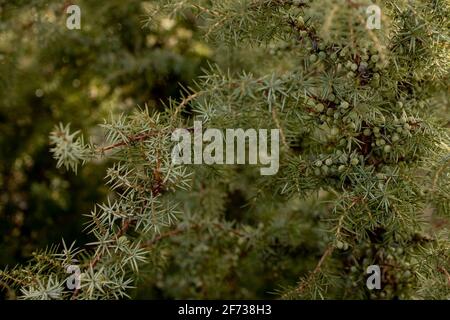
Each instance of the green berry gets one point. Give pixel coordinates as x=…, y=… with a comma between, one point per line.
x=380, y=176
x=395, y=137
x=344, y=104
x=328, y=162
x=354, y=67
x=312, y=58
x=354, y=161
x=352, y=125
x=403, y=119
x=322, y=55
x=319, y=163
x=374, y=58
x=375, y=83
x=319, y=107
x=333, y=170
x=367, y=132
x=334, y=131
x=300, y=21
x=387, y=148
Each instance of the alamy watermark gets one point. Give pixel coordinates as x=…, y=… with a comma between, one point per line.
x=374, y=280
x=374, y=17
x=234, y=149
x=73, y=21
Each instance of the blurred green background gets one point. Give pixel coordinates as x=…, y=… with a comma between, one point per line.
x=50, y=74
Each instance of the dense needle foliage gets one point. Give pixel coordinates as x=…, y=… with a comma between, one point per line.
x=364, y=164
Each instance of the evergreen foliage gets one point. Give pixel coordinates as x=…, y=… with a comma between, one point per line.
x=364, y=164
x=49, y=74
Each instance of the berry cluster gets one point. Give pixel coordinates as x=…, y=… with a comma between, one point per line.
x=395, y=266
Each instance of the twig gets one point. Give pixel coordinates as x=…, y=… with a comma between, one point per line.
x=316, y=270
x=135, y=138
x=186, y=100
